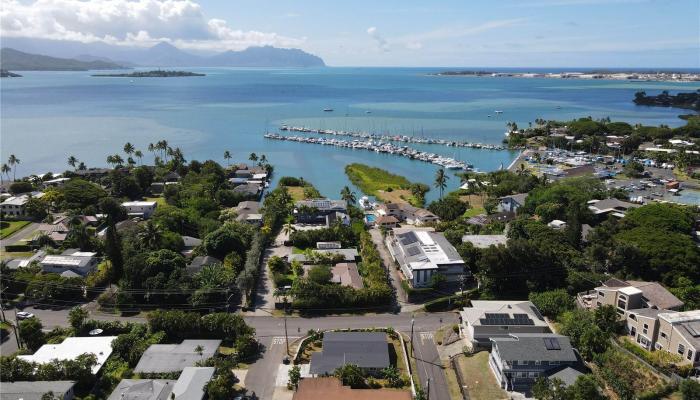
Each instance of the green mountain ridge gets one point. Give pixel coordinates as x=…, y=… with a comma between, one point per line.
x=15, y=60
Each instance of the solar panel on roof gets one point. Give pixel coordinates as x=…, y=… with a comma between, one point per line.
x=408, y=238
x=552, y=344
x=413, y=251
x=693, y=329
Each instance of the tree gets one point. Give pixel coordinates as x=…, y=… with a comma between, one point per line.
x=227, y=157
x=288, y=227
x=320, y=274
x=441, y=180
x=30, y=331
x=448, y=208
x=549, y=389
x=253, y=157
x=21, y=187
x=72, y=161
x=78, y=194
x=593, y=341
x=552, y=303
x=13, y=161
x=348, y=195
x=77, y=317
x=350, y=375
x=393, y=377
x=246, y=346
x=690, y=389
x=5, y=170
x=129, y=149
x=633, y=169
x=294, y=377
x=138, y=154
x=151, y=235
x=606, y=318
x=586, y=388
x=113, y=248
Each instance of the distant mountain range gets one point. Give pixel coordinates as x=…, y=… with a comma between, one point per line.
x=15, y=60
x=161, y=55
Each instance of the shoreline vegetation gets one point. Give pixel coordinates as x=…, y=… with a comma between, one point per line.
x=8, y=74
x=386, y=186
x=687, y=100
x=151, y=74
x=648, y=76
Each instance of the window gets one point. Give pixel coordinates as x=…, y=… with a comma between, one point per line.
x=622, y=297
x=690, y=354
x=663, y=335
x=532, y=374
x=681, y=349
x=621, y=304
x=598, y=303
x=646, y=329
x=522, y=374
x=658, y=346
x=601, y=294
x=554, y=363
x=522, y=362
x=633, y=317
x=538, y=362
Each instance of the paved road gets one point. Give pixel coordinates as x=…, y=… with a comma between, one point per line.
x=20, y=234
x=430, y=366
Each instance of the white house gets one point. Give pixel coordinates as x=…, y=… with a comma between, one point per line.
x=140, y=208
x=71, y=348
x=14, y=206
x=79, y=262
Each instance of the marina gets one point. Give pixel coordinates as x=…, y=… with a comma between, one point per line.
x=395, y=138
x=379, y=147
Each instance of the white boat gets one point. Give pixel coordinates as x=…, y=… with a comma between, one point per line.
x=498, y=112
x=327, y=109
x=365, y=203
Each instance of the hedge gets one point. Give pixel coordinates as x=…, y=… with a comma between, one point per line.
x=446, y=303
x=13, y=248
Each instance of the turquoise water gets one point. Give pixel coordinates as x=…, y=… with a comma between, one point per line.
x=47, y=116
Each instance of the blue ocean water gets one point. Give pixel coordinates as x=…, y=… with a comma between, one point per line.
x=48, y=116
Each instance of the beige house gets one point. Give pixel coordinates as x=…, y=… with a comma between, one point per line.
x=408, y=213
x=486, y=320
x=629, y=295
x=667, y=330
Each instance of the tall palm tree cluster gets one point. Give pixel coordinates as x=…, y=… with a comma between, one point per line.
x=441, y=179
x=11, y=166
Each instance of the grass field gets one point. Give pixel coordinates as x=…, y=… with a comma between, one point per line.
x=10, y=227
x=383, y=184
x=160, y=200
x=297, y=192
x=480, y=382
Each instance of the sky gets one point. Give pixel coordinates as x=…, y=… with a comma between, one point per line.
x=460, y=33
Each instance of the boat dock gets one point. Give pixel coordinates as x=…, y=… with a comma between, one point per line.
x=394, y=138
x=379, y=147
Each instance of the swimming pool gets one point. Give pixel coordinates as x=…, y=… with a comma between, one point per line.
x=370, y=218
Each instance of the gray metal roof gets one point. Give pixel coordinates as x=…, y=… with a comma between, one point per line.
x=142, y=389
x=533, y=347
x=175, y=357
x=323, y=204
x=364, y=349
x=199, y=262
x=567, y=375
x=190, y=385
x=33, y=390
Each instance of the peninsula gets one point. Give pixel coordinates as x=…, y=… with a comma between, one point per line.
x=646, y=76
x=689, y=100
x=7, y=74
x=151, y=74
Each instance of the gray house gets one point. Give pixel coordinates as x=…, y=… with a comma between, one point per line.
x=315, y=211
x=189, y=386
x=175, y=357
x=62, y=390
x=512, y=203
x=518, y=360
x=367, y=350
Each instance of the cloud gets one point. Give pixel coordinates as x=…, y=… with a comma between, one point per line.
x=459, y=31
x=129, y=22
x=382, y=43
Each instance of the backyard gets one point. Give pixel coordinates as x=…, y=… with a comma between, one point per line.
x=478, y=378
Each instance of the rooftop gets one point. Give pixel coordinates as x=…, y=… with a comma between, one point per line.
x=657, y=295
x=502, y=312
x=346, y=274
x=364, y=349
x=35, y=390
x=485, y=241
x=139, y=204
x=423, y=249
x=330, y=388
x=176, y=357
x=535, y=346
x=323, y=204
x=71, y=348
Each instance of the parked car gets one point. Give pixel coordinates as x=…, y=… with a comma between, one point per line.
x=24, y=315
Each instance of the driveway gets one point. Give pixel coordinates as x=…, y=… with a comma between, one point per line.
x=394, y=274
x=20, y=234
x=264, y=295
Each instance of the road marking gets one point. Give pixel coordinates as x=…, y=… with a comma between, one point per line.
x=281, y=340
x=426, y=336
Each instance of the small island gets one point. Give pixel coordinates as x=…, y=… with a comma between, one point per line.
x=151, y=74
x=689, y=100
x=7, y=74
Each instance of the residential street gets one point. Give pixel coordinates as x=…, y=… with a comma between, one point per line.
x=19, y=235
x=430, y=365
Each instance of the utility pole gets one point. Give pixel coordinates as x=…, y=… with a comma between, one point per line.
x=16, y=328
x=427, y=392
x=412, y=344
x=286, y=337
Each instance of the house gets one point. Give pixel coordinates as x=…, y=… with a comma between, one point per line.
x=331, y=388
x=629, y=295
x=614, y=207
x=171, y=176
x=518, y=360
x=189, y=386
x=35, y=390
x=557, y=224
x=386, y=221
x=315, y=211
x=344, y=255
x=58, y=182
x=92, y=172
x=500, y=217
x=346, y=274
x=408, y=213
x=485, y=320
x=511, y=203
x=71, y=348
x=189, y=244
x=251, y=190
x=485, y=241
x=121, y=226
x=249, y=211
x=329, y=245
x=16, y=263
x=666, y=330
x=79, y=262
x=57, y=231
x=143, y=209
x=14, y=206
x=198, y=263
x=367, y=350
x=160, y=358
x=424, y=253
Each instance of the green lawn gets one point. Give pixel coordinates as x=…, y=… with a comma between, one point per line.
x=160, y=200
x=473, y=212
x=480, y=382
x=372, y=179
x=9, y=227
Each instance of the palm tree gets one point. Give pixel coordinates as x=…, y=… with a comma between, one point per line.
x=227, y=157
x=253, y=157
x=150, y=234
x=441, y=180
x=522, y=170
x=138, y=154
x=263, y=160
x=13, y=161
x=129, y=149
x=199, y=350
x=72, y=161
x=131, y=162
x=288, y=228
x=152, y=149
x=348, y=195
x=118, y=160
x=82, y=166
x=5, y=170
x=110, y=160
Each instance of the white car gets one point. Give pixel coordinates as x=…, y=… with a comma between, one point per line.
x=24, y=315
